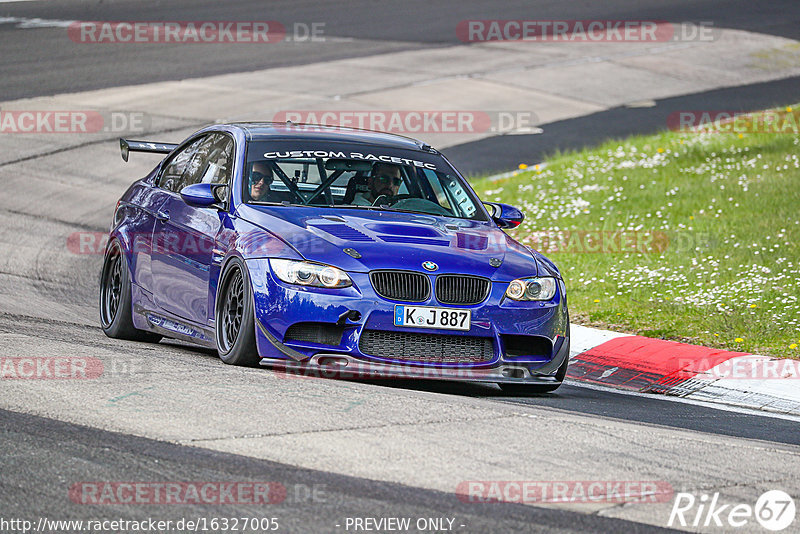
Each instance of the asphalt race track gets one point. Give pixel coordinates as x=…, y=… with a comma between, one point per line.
x=35, y=63
x=374, y=449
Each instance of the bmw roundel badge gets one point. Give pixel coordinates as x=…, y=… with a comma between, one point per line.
x=429, y=266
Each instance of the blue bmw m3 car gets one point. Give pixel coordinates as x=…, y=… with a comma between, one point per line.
x=321, y=249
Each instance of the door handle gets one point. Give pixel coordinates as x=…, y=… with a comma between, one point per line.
x=162, y=216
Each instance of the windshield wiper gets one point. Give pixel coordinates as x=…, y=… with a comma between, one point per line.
x=421, y=213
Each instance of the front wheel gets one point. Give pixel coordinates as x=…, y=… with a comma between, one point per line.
x=234, y=324
x=116, y=317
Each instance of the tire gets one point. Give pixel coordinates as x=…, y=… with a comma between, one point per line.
x=116, y=317
x=234, y=324
x=532, y=389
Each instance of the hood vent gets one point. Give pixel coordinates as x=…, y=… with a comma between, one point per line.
x=414, y=240
x=342, y=231
x=472, y=241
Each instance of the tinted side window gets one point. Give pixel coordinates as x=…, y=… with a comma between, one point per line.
x=194, y=169
x=212, y=163
x=171, y=176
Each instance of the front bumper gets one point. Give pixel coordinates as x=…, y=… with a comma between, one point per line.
x=343, y=366
x=278, y=306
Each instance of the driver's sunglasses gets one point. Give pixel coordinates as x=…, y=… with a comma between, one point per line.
x=386, y=178
x=256, y=177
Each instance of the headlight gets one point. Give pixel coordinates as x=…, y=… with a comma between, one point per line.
x=532, y=289
x=304, y=273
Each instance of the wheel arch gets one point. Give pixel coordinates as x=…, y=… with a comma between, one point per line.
x=125, y=240
x=234, y=257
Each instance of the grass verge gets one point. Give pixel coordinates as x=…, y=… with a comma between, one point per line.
x=680, y=235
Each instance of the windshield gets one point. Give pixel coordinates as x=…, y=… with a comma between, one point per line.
x=397, y=181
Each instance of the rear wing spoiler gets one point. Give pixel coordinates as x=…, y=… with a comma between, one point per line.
x=126, y=146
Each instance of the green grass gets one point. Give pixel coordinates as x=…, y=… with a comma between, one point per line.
x=716, y=217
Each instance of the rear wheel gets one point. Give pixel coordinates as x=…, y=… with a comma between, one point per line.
x=116, y=317
x=235, y=321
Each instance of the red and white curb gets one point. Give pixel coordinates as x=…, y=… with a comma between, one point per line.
x=647, y=365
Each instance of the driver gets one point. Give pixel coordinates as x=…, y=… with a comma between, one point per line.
x=259, y=180
x=384, y=181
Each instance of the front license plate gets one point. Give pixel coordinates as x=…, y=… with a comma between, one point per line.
x=432, y=317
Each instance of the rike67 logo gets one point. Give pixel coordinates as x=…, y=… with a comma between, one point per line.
x=774, y=510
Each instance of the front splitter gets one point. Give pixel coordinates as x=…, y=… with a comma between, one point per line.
x=343, y=366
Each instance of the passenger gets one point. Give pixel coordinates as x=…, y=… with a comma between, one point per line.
x=260, y=179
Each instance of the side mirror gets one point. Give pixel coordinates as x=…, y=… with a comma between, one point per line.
x=204, y=195
x=504, y=215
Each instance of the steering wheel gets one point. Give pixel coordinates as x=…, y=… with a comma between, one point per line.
x=390, y=200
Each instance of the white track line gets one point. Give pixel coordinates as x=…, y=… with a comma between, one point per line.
x=669, y=398
x=27, y=24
